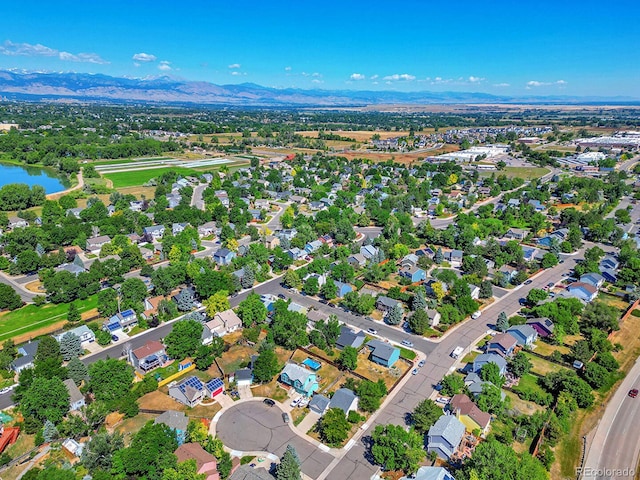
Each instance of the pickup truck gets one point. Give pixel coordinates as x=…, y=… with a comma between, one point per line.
x=457, y=352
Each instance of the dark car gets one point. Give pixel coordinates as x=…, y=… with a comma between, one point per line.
x=633, y=393
x=114, y=338
x=282, y=296
x=522, y=301
x=528, y=282
x=268, y=401
x=332, y=305
x=285, y=417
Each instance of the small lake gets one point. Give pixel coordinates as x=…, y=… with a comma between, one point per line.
x=32, y=176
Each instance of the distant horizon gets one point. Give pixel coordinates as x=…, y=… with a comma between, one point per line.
x=550, y=48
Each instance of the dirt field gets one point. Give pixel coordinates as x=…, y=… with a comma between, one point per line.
x=403, y=158
x=358, y=136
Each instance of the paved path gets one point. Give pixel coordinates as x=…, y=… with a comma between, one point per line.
x=614, y=446
x=56, y=195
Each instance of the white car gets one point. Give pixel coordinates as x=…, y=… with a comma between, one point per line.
x=296, y=401
x=476, y=314
x=303, y=402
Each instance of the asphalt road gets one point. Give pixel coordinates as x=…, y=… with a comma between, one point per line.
x=254, y=426
x=196, y=198
x=614, y=447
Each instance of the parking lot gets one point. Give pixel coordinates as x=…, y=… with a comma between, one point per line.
x=255, y=427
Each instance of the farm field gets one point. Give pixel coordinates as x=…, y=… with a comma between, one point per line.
x=137, y=178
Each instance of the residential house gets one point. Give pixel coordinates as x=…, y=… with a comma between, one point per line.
x=176, y=421
x=255, y=214
x=151, y=306
x=445, y=436
x=27, y=352
x=369, y=251
x=136, y=205
x=594, y=279
x=296, y=307
x=94, y=244
x=121, y=321
x=301, y=379
x=224, y=256
x=413, y=274
x=189, y=391
x=223, y=323
x=177, y=228
x=425, y=252
x=319, y=404
x=313, y=247
x=410, y=260
x=475, y=384
x=383, y=353
x=509, y=272
x=430, y=473
x=343, y=288
x=485, y=358
x=246, y=472
x=454, y=257
x=503, y=344
x=322, y=279
x=243, y=377
x=474, y=291
x=207, y=229
x=609, y=262
x=517, y=233
x=529, y=254
x=84, y=333
x=525, y=335
x=469, y=414
x=74, y=212
x=271, y=241
x=298, y=199
x=17, y=222
x=76, y=399
x=296, y=254
x=76, y=267
x=151, y=355
x=173, y=199
x=154, y=233
x=357, y=260
x=206, y=463
x=288, y=233
x=434, y=317
x=314, y=316
x=262, y=204
x=344, y=399
x=350, y=338
x=543, y=326
x=582, y=291
x=385, y=304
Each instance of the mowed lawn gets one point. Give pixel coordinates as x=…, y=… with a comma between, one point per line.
x=31, y=317
x=140, y=177
x=527, y=173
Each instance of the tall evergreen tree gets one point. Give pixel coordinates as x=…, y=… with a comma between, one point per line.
x=503, y=322
x=70, y=346
x=73, y=315
x=289, y=468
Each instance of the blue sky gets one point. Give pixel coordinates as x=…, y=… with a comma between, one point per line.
x=504, y=47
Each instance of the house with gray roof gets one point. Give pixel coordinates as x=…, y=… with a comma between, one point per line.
x=485, y=358
x=445, y=436
x=525, y=335
x=344, y=399
x=304, y=381
x=385, y=304
x=246, y=472
x=350, y=338
x=176, y=421
x=76, y=399
x=319, y=404
x=430, y=473
x=383, y=353
x=594, y=279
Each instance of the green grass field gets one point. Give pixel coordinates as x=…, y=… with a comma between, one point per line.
x=140, y=177
x=31, y=318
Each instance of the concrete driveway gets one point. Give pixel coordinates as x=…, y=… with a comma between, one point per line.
x=255, y=427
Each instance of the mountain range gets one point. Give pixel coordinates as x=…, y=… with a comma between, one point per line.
x=167, y=90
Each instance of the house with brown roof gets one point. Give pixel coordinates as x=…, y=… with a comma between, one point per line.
x=149, y=356
x=223, y=323
x=469, y=414
x=503, y=344
x=206, y=464
x=151, y=306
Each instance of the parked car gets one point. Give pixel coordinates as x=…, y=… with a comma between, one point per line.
x=304, y=402
x=414, y=371
x=282, y=296
x=296, y=401
x=528, y=282
x=372, y=331
x=114, y=338
x=421, y=364
x=268, y=401
x=476, y=314
x=407, y=343
x=285, y=417
x=551, y=284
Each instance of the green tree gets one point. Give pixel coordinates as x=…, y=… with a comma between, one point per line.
x=486, y=289
x=451, y=385
x=292, y=279
x=370, y=394
x=110, y=379
x=568, y=381
x=419, y=301
x=438, y=258
x=348, y=359
x=520, y=364
x=9, y=299
x=77, y=370
x=187, y=470
x=502, y=324
x=334, y=427
x=70, y=346
x=600, y=316
x=493, y=460
x=490, y=372
x=45, y=399
x=289, y=329
x=549, y=260
x=425, y=415
x=49, y=431
x=329, y=290
x=595, y=375
x=73, y=315
x=536, y=295
x=150, y=453
x=132, y=294
x=289, y=466
x=490, y=399
x=266, y=366
x=419, y=322
x=394, y=448
x=218, y=302
x=311, y=286
x=251, y=310
x=107, y=302
x=395, y=315
x=215, y=447
x=184, y=339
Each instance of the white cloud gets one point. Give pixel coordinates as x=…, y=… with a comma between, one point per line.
x=144, y=57
x=234, y=65
x=287, y=69
x=164, y=66
x=473, y=79
x=374, y=77
x=357, y=76
x=235, y=73
x=402, y=76
x=501, y=85
x=315, y=80
x=536, y=83
x=38, y=50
